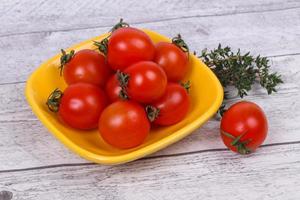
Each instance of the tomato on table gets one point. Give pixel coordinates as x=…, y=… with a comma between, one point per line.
x=86, y=66
x=79, y=106
x=127, y=46
x=244, y=127
x=124, y=124
x=172, y=107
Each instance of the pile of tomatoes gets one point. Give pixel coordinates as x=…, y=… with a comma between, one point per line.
x=126, y=87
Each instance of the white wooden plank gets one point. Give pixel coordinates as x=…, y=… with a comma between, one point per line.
x=32, y=31
x=270, y=174
x=268, y=33
x=19, y=17
x=26, y=143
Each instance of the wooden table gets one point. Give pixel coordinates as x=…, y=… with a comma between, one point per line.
x=34, y=165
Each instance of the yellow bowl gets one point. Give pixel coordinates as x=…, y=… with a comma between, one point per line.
x=206, y=96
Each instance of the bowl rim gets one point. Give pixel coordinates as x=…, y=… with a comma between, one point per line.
x=133, y=155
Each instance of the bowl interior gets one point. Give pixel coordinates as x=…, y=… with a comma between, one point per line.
x=206, y=96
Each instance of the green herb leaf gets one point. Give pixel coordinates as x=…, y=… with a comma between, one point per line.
x=240, y=70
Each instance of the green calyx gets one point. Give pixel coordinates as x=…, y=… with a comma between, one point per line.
x=186, y=85
x=123, y=80
x=152, y=113
x=54, y=100
x=120, y=24
x=64, y=59
x=103, y=44
x=178, y=41
x=241, y=146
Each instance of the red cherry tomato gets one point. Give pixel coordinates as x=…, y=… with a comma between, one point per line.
x=81, y=105
x=124, y=124
x=86, y=66
x=173, y=105
x=147, y=81
x=113, y=88
x=172, y=59
x=244, y=127
x=127, y=46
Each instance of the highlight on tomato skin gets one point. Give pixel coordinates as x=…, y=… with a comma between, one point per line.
x=79, y=106
x=127, y=46
x=244, y=127
x=146, y=82
x=86, y=66
x=172, y=59
x=124, y=124
x=172, y=107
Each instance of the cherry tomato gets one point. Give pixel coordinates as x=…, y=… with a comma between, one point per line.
x=173, y=105
x=172, y=59
x=81, y=105
x=124, y=124
x=127, y=46
x=244, y=127
x=147, y=81
x=113, y=88
x=86, y=66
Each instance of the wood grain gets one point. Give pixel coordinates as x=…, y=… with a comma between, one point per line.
x=34, y=165
x=272, y=173
x=267, y=33
x=6, y=195
x=37, y=147
x=23, y=17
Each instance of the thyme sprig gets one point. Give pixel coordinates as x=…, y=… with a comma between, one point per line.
x=240, y=70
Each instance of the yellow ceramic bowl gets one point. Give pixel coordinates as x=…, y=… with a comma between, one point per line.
x=206, y=96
